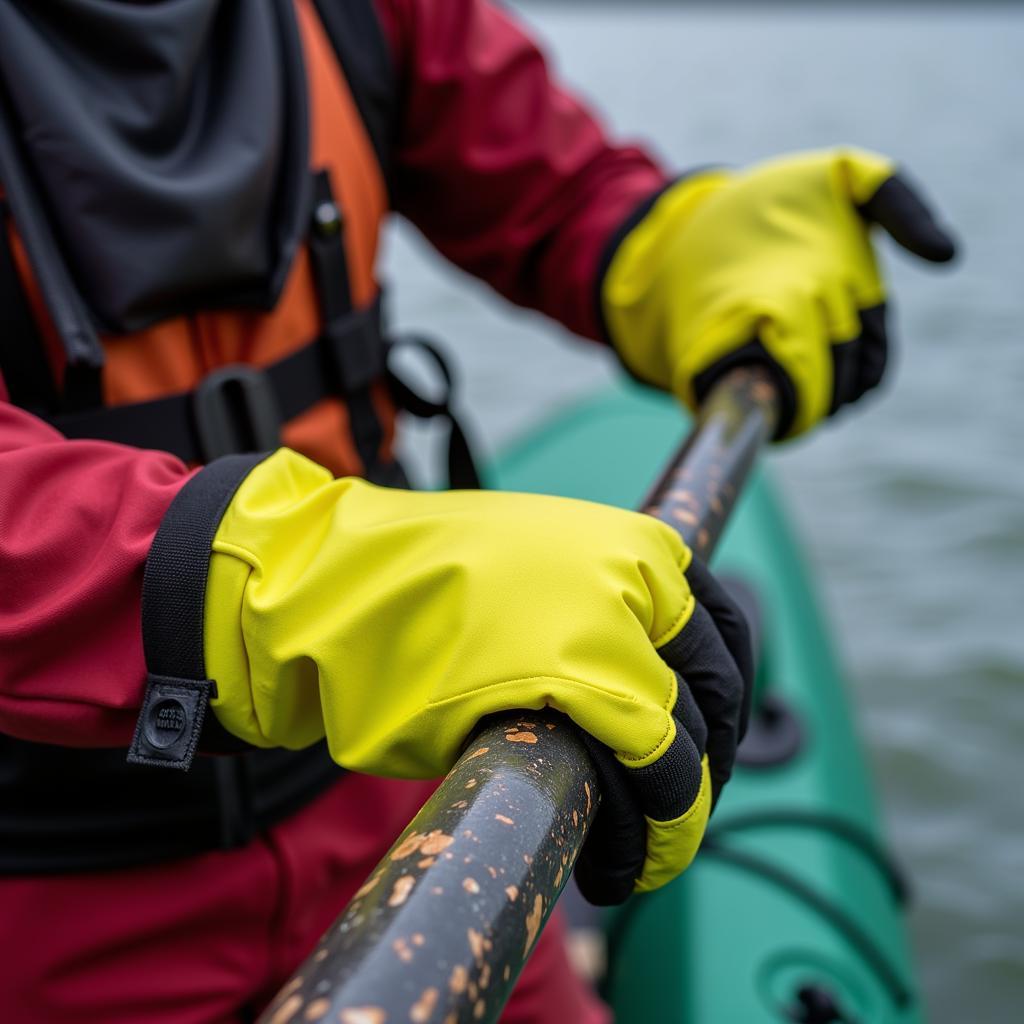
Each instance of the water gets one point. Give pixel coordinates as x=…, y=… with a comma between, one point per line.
x=913, y=510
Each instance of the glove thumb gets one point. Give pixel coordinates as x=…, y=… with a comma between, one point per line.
x=898, y=207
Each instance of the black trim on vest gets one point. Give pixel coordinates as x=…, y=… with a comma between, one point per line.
x=241, y=408
x=23, y=362
x=173, y=604
x=358, y=355
x=355, y=33
x=71, y=320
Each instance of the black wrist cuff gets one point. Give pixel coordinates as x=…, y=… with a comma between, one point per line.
x=616, y=238
x=170, y=728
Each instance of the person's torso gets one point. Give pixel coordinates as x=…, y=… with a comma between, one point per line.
x=62, y=809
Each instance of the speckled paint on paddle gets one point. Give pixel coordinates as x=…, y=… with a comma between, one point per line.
x=441, y=929
x=697, y=491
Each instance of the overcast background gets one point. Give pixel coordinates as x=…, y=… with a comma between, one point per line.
x=913, y=510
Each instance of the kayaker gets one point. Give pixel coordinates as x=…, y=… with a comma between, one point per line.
x=193, y=195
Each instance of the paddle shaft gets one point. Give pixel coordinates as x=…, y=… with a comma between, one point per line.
x=442, y=927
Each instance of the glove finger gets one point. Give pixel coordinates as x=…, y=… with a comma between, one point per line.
x=845, y=373
x=732, y=625
x=899, y=208
x=700, y=655
x=874, y=348
x=688, y=715
x=859, y=365
x=676, y=791
x=612, y=857
x=668, y=787
x=636, y=800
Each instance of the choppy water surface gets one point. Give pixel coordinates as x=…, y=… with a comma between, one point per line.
x=913, y=511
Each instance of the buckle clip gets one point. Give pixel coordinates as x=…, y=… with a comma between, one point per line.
x=236, y=411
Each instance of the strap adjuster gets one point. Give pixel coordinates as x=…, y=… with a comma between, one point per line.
x=236, y=411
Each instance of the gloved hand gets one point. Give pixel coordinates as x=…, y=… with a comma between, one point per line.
x=394, y=621
x=770, y=264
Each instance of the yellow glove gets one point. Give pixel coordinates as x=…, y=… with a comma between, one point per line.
x=771, y=264
x=393, y=621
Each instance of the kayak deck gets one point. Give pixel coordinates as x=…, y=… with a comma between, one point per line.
x=791, y=905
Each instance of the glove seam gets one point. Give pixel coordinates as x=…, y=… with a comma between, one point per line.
x=253, y=564
x=535, y=678
x=624, y=758
x=670, y=725
x=238, y=551
x=676, y=626
x=661, y=746
x=677, y=623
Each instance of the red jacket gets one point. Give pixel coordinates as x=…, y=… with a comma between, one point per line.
x=506, y=173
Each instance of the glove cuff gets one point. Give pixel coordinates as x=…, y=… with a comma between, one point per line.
x=630, y=278
x=271, y=511
x=611, y=247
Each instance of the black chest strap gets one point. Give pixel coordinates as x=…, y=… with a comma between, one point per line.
x=241, y=408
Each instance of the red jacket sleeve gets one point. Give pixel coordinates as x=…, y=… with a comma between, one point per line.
x=506, y=173
x=77, y=519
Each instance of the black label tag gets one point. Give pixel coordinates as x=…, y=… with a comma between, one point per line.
x=171, y=719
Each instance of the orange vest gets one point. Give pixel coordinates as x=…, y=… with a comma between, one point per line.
x=174, y=356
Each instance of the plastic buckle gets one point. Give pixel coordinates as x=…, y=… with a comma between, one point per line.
x=236, y=411
x=356, y=349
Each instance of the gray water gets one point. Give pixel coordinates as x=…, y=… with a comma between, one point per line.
x=913, y=508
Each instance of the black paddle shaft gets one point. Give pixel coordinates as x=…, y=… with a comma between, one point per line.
x=442, y=927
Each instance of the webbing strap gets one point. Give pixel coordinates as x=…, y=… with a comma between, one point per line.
x=462, y=470
x=359, y=357
x=289, y=387
x=173, y=607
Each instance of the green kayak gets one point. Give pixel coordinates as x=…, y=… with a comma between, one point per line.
x=792, y=911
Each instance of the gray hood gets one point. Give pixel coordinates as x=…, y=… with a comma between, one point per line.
x=168, y=143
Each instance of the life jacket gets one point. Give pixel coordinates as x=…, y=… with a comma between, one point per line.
x=309, y=373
